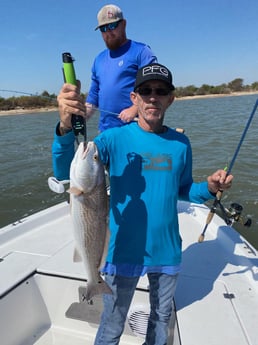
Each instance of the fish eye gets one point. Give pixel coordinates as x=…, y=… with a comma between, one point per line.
x=95, y=157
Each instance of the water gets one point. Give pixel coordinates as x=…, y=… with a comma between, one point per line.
x=214, y=126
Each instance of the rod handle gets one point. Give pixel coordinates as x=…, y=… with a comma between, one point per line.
x=78, y=122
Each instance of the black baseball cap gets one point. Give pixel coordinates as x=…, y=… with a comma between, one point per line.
x=154, y=71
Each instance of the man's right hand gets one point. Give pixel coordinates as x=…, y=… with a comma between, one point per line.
x=70, y=102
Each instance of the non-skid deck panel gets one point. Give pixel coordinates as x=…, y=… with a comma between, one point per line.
x=62, y=264
x=15, y=268
x=216, y=309
x=218, y=279
x=43, y=233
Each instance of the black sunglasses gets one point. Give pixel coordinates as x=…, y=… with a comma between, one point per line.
x=109, y=27
x=147, y=91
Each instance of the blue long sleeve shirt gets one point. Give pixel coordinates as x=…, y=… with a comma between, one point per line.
x=112, y=80
x=149, y=173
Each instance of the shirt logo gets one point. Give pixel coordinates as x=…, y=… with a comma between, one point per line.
x=159, y=162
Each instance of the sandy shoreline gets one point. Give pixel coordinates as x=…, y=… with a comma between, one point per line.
x=27, y=111
x=45, y=110
x=243, y=93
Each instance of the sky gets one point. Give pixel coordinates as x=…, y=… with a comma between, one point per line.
x=201, y=41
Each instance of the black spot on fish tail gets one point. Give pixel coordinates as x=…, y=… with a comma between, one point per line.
x=98, y=288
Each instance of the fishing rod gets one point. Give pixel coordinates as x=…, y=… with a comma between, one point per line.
x=29, y=94
x=55, y=98
x=219, y=193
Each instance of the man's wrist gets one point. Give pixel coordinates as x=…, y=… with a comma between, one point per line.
x=212, y=193
x=63, y=129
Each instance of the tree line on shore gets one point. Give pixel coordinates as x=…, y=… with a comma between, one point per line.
x=46, y=100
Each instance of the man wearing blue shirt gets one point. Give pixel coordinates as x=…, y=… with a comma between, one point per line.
x=150, y=168
x=114, y=70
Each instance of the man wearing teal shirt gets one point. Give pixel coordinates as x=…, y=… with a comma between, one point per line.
x=150, y=168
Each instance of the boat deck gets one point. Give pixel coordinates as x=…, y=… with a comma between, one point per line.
x=42, y=289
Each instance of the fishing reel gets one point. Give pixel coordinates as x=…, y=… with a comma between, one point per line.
x=234, y=214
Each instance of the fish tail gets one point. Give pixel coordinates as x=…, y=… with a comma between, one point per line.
x=98, y=288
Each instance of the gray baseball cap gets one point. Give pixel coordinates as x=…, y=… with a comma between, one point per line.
x=109, y=14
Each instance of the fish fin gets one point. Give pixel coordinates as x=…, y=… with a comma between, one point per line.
x=75, y=191
x=76, y=256
x=105, y=248
x=98, y=288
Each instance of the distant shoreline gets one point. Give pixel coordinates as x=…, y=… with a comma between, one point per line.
x=24, y=111
x=218, y=95
x=50, y=109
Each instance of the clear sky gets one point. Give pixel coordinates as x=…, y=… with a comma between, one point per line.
x=201, y=41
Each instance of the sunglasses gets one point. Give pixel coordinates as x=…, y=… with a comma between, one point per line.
x=147, y=91
x=109, y=27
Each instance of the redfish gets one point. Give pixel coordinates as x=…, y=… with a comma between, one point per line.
x=89, y=211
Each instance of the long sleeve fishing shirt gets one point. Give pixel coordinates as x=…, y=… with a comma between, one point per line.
x=149, y=173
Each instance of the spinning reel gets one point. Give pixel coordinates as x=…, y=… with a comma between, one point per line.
x=234, y=214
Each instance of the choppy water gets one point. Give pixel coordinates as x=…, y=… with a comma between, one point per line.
x=214, y=126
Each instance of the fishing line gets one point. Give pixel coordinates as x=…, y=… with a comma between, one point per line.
x=219, y=193
x=28, y=94
x=102, y=110
x=55, y=98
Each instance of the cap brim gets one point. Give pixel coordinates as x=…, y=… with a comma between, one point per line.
x=171, y=86
x=114, y=21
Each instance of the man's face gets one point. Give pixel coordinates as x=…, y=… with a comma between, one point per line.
x=152, y=99
x=115, y=38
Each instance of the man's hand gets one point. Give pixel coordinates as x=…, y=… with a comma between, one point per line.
x=128, y=114
x=70, y=102
x=219, y=181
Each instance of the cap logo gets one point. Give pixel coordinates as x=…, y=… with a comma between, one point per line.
x=110, y=14
x=155, y=69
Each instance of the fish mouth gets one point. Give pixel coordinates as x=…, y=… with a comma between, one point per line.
x=86, y=168
x=85, y=148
